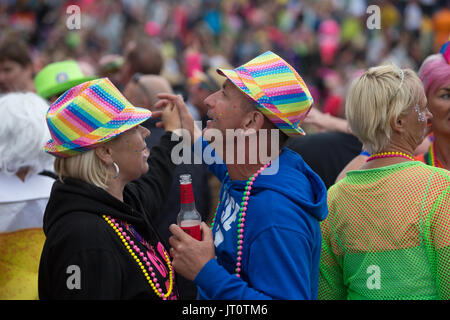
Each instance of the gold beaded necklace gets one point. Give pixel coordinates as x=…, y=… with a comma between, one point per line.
x=151, y=278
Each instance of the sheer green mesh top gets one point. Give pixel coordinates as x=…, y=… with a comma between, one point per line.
x=387, y=235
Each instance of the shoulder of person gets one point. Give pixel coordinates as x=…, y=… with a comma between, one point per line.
x=424, y=171
x=278, y=210
x=81, y=230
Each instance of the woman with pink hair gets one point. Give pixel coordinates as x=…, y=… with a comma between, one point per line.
x=435, y=75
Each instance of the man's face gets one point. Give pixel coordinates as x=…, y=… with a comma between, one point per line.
x=198, y=94
x=225, y=108
x=14, y=77
x=229, y=112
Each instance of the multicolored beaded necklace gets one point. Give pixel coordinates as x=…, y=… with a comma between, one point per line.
x=242, y=215
x=389, y=155
x=129, y=245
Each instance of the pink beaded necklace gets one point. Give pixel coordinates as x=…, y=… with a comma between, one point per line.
x=129, y=245
x=242, y=217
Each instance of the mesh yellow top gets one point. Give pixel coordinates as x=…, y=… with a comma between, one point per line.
x=387, y=235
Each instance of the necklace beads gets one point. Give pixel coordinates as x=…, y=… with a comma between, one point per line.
x=136, y=254
x=389, y=155
x=242, y=217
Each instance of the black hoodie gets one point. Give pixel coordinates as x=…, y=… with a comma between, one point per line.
x=83, y=257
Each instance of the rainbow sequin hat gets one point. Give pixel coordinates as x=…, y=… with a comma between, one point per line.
x=89, y=114
x=278, y=90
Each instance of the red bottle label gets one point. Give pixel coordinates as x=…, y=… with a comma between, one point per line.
x=194, y=232
x=186, y=193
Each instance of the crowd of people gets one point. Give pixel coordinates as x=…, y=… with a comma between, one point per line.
x=328, y=40
x=354, y=202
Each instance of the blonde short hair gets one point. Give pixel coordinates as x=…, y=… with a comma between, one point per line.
x=85, y=166
x=376, y=97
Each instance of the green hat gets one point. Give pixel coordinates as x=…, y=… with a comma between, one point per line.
x=58, y=77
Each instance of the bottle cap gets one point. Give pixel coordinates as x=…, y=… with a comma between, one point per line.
x=185, y=179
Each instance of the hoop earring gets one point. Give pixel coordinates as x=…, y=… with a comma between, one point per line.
x=117, y=170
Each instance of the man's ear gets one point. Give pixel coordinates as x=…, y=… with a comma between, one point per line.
x=253, y=120
x=397, y=125
x=104, y=153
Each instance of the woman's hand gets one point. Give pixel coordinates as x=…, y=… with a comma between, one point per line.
x=316, y=118
x=187, y=121
x=326, y=122
x=190, y=255
x=169, y=115
x=170, y=118
x=313, y=116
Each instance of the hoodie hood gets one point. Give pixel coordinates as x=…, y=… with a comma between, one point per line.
x=76, y=196
x=291, y=176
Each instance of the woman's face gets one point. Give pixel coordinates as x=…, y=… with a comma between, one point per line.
x=439, y=106
x=416, y=123
x=130, y=153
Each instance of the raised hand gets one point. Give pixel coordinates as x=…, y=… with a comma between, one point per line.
x=187, y=121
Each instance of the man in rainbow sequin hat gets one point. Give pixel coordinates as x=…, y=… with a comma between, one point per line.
x=265, y=240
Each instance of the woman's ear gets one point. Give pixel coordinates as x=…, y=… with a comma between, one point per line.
x=397, y=125
x=104, y=153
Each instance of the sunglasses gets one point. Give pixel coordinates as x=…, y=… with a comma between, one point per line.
x=136, y=77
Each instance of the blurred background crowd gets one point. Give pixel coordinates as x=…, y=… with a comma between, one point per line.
x=327, y=41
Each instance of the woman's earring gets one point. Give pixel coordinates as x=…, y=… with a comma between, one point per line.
x=117, y=170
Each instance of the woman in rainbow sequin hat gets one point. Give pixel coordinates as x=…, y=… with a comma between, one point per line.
x=100, y=240
x=387, y=234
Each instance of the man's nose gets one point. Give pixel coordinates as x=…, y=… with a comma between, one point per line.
x=209, y=100
x=144, y=131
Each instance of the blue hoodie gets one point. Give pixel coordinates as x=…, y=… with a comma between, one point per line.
x=282, y=238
